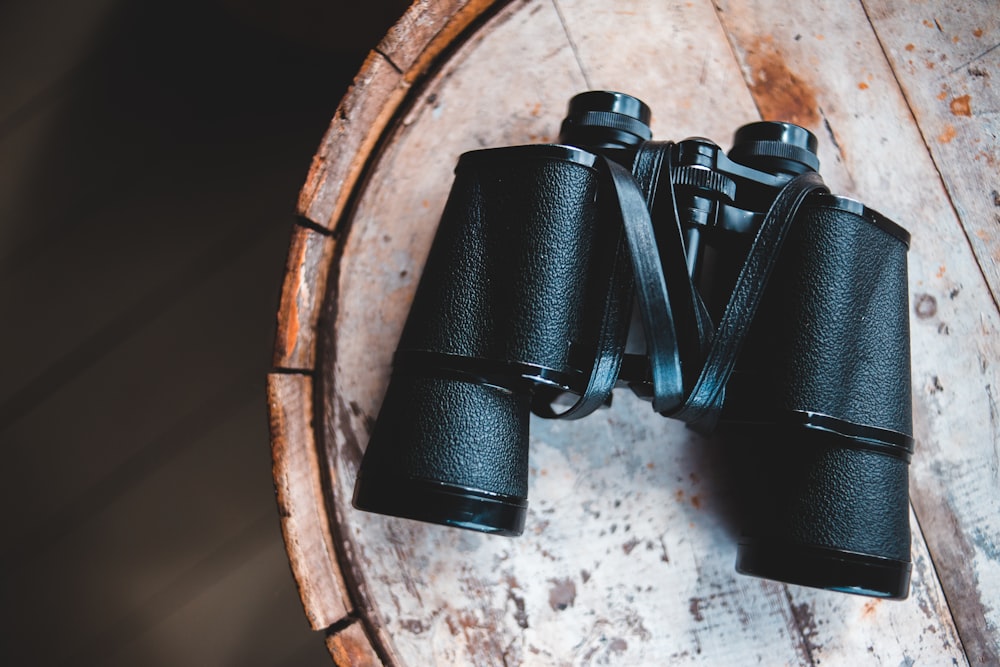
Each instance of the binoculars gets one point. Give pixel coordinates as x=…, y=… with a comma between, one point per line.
x=731, y=290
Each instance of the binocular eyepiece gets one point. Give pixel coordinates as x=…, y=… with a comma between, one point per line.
x=770, y=309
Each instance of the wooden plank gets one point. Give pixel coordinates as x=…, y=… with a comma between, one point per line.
x=402, y=57
x=606, y=515
x=338, y=162
x=945, y=57
x=853, y=97
x=425, y=30
x=697, y=74
x=299, y=489
x=350, y=647
x=302, y=293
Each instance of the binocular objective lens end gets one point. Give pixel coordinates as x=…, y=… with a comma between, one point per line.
x=433, y=502
x=826, y=568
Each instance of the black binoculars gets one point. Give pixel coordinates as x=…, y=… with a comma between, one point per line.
x=732, y=290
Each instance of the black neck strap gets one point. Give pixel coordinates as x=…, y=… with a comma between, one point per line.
x=703, y=405
x=673, y=316
x=637, y=271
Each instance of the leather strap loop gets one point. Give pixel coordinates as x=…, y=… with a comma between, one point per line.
x=637, y=247
x=634, y=196
x=703, y=406
x=610, y=345
x=655, y=306
x=653, y=168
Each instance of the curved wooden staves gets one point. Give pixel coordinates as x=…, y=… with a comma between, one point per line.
x=379, y=89
x=628, y=554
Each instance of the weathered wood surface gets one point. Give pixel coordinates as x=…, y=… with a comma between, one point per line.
x=386, y=77
x=628, y=553
x=300, y=498
x=307, y=267
x=946, y=59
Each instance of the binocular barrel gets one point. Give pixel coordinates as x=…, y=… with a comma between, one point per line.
x=822, y=395
x=507, y=300
x=516, y=290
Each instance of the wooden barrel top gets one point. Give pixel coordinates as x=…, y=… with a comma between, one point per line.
x=628, y=554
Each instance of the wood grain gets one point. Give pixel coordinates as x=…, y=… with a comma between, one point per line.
x=309, y=257
x=945, y=58
x=628, y=554
x=350, y=647
x=379, y=88
x=299, y=491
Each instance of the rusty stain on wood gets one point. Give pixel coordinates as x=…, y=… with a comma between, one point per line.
x=963, y=44
x=351, y=448
x=960, y=106
x=780, y=93
x=948, y=133
x=803, y=621
x=695, y=608
x=288, y=335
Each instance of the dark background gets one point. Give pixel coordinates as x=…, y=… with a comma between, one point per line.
x=151, y=155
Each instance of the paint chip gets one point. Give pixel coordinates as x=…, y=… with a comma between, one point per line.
x=960, y=106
